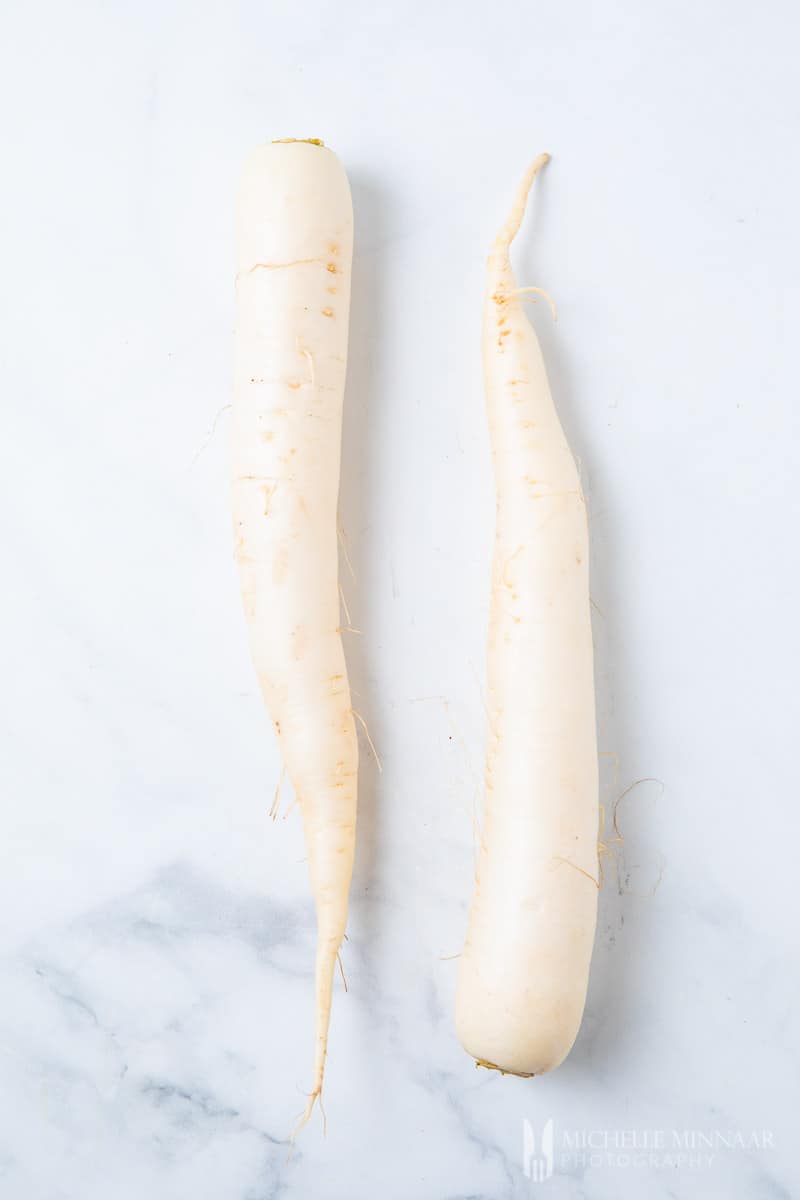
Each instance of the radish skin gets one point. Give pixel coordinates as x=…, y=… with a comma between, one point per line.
x=293, y=265
x=525, y=965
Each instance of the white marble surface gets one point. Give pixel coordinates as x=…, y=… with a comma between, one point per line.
x=157, y=932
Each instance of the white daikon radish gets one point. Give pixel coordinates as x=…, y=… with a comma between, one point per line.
x=293, y=264
x=525, y=966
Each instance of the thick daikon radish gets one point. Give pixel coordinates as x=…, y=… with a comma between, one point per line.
x=525, y=965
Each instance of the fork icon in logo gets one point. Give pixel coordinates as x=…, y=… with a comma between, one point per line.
x=537, y=1167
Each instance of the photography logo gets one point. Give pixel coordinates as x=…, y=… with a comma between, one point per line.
x=537, y=1166
x=650, y=1149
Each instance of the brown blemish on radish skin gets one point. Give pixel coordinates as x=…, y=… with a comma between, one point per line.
x=269, y=492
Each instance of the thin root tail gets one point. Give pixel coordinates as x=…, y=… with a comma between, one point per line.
x=306, y=1115
x=509, y=231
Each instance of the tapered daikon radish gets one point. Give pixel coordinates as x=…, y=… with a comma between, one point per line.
x=293, y=262
x=525, y=966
